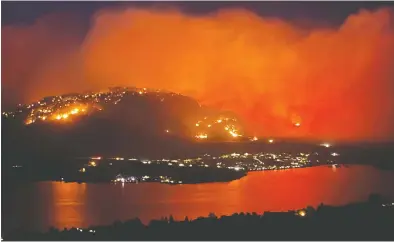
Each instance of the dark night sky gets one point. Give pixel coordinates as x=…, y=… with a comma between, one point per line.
x=330, y=12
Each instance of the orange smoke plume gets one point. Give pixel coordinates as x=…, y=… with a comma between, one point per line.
x=282, y=80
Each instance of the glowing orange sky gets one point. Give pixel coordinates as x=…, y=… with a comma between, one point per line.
x=337, y=83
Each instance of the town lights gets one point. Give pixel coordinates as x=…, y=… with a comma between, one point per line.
x=302, y=213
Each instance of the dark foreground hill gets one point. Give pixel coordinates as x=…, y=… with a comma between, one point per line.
x=373, y=220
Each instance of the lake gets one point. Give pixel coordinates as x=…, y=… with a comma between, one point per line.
x=37, y=206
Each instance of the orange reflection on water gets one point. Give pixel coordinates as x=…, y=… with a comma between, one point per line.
x=82, y=205
x=68, y=204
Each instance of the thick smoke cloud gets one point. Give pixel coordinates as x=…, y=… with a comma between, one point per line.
x=338, y=83
x=41, y=59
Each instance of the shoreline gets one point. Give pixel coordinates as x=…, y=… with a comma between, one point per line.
x=242, y=175
x=155, y=196
x=376, y=210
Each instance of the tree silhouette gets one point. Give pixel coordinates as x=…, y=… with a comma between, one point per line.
x=347, y=220
x=53, y=230
x=310, y=210
x=375, y=199
x=212, y=215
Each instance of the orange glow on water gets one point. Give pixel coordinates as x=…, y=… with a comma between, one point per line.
x=66, y=204
x=83, y=205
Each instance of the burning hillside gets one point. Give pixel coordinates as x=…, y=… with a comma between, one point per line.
x=176, y=114
x=283, y=80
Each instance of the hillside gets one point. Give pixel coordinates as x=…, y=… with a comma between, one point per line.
x=112, y=122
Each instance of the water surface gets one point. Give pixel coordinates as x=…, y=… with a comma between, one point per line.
x=40, y=205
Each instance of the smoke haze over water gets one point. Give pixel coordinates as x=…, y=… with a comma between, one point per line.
x=338, y=83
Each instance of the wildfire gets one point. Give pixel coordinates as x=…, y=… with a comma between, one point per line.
x=234, y=134
x=225, y=123
x=29, y=121
x=254, y=138
x=75, y=111
x=202, y=136
x=61, y=114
